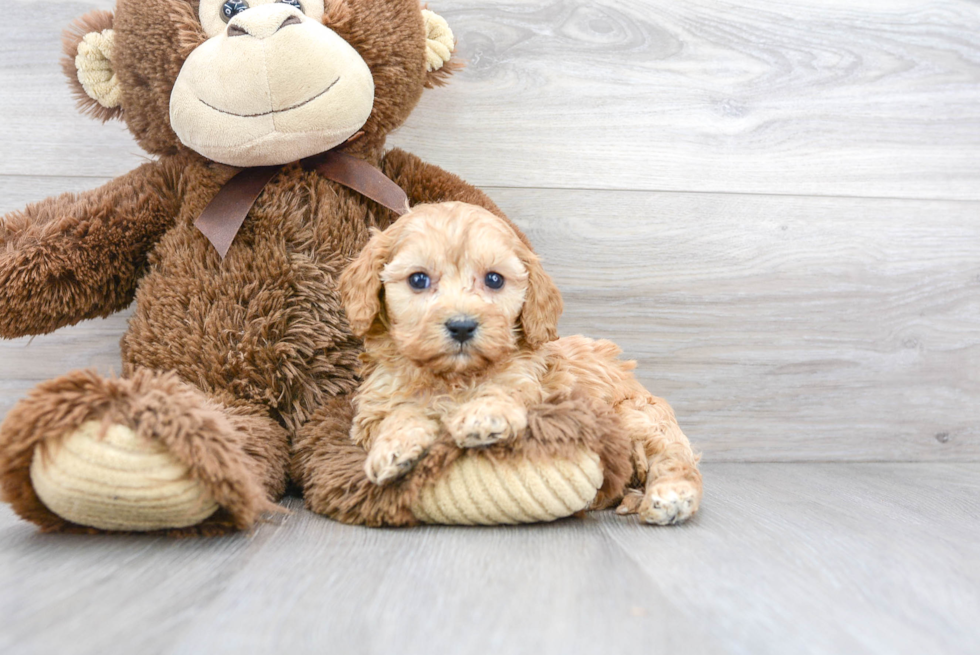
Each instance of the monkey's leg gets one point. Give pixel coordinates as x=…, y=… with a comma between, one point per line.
x=330, y=468
x=664, y=462
x=144, y=453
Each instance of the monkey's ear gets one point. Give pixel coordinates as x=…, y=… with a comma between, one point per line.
x=360, y=285
x=439, y=47
x=87, y=44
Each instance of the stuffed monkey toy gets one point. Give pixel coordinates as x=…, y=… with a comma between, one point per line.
x=266, y=121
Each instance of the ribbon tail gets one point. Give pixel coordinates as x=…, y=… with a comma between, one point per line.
x=364, y=178
x=224, y=215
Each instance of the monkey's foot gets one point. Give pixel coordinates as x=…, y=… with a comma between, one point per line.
x=83, y=453
x=110, y=478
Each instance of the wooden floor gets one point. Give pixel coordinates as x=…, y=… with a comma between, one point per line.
x=785, y=558
x=773, y=205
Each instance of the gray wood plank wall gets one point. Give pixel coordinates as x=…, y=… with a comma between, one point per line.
x=773, y=206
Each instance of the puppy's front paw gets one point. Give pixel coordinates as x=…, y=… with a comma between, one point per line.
x=664, y=503
x=393, y=454
x=388, y=461
x=485, y=422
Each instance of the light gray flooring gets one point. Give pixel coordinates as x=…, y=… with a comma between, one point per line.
x=773, y=205
x=785, y=558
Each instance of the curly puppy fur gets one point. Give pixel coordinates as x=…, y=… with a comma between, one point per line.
x=424, y=380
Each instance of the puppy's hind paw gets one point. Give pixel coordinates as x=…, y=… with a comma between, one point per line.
x=387, y=462
x=630, y=503
x=664, y=503
x=670, y=501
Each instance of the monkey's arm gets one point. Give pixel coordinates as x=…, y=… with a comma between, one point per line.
x=428, y=183
x=79, y=256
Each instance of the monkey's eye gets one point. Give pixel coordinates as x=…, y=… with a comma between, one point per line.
x=232, y=8
x=294, y=3
x=419, y=281
x=494, y=281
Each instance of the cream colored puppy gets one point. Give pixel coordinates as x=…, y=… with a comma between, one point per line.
x=460, y=322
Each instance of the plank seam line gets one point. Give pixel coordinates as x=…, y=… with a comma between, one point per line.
x=968, y=460
x=19, y=176
x=729, y=193
x=652, y=582
x=495, y=187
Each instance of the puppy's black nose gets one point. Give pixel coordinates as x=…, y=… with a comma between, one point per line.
x=462, y=329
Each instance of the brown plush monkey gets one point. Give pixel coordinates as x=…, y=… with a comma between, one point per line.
x=238, y=365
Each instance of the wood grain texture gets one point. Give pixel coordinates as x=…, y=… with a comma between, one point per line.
x=877, y=98
x=788, y=558
x=42, y=131
x=780, y=328
x=826, y=558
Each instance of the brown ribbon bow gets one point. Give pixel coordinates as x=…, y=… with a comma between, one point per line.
x=223, y=217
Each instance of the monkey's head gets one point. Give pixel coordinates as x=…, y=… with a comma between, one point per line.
x=257, y=82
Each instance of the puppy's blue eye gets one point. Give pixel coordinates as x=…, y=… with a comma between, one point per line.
x=494, y=280
x=419, y=281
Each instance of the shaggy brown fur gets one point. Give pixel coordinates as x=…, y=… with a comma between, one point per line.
x=258, y=341
x=233, y=449
x=421, y=384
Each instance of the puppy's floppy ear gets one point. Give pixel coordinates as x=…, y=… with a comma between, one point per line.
x=360, y=284
x=542, y=303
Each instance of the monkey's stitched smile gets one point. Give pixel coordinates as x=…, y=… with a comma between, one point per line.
x=273, y=111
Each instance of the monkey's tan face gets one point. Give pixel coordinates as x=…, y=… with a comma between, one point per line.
x=271, y=85
x=454, y=289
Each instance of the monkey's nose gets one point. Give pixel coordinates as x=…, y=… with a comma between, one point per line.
x=263, y=21
x=462, y=329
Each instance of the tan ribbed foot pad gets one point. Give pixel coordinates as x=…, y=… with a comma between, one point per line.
x=479, y=491
x=118, y=481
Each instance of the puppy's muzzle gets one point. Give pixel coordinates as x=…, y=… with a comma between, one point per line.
x=462, y=329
